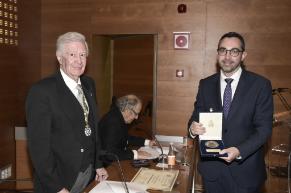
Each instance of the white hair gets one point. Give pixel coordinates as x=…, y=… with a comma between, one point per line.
x=68, y=38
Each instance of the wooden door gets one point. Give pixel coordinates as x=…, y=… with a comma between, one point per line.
x=133, y=73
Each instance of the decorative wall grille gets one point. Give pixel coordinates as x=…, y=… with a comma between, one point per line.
x=8, y=23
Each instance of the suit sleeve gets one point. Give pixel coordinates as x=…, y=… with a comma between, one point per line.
x=98, y=162
x=136, y=141
x=39, y=120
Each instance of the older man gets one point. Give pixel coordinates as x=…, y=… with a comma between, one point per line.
x=113, y=129
x=62, y=123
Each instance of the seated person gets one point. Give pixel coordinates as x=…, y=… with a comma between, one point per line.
x=113, y=129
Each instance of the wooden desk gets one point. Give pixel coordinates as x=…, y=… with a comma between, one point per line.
x=183, y=182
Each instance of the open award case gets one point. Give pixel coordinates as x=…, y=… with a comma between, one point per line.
x=210, y=143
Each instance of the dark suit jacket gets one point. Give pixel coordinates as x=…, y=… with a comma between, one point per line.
x=114, y=135
x=55, y=122
x=248, y=126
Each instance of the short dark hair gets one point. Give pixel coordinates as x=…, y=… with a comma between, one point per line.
x=233, y=35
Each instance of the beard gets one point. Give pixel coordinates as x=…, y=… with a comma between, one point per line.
x=229, y=66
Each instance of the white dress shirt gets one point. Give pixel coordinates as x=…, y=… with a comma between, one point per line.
x=235, y=77
x=71, y=84
x=234, y=83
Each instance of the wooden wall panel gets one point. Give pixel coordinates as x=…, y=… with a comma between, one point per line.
x=23, y=166
x=59, y=17
x=207, y=20
x=29, y=52
x=8, y=99
x=8, y=106
x=264, y=24
x=19, y=69
x=133, y=73
x=100, y=68
x=266, y=27
x=133, y=66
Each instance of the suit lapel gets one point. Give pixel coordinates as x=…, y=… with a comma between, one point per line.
x=218, y=94
x=70, y=106
x=241, y=90
x=90, y=99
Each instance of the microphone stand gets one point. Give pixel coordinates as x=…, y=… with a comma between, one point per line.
x=185, y=163
x=162, y=156
x=120, y=168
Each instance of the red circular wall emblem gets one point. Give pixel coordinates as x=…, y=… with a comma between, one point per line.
x=181, y=41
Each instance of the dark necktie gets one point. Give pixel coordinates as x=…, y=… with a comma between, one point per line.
x=227, y=97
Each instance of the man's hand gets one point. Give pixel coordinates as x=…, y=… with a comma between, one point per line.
x=197, y=128
x=64, y=190
x=232, y=154
x=143, y=155
x=101, y=174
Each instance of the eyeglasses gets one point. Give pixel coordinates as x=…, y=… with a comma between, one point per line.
x=233, y=52
x=134, y=112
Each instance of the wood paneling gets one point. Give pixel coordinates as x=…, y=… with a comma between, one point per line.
x=265, y=25
x=8, y=106
x=133, y=62
x=19, y=69
x=267, y=33
x=23, y=166
x=133, y=73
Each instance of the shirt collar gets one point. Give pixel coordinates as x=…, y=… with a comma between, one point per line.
x=69, y=81
x=235, y=76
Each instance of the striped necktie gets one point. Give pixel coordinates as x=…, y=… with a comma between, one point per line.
x=227, y=97
x=83, y=102
x=81, y=98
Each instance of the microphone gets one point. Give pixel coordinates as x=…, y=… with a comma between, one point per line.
x=162, y=156
x=106, y=153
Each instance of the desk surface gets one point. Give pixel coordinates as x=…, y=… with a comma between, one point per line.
x=183, y=183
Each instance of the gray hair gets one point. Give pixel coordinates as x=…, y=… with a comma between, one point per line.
x=127, y=102
x=68, y=38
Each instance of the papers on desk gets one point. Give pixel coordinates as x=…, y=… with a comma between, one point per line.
x=154, y=151
x=156, y=179
x=118, y=187
x=165, y=150
x=167, y=138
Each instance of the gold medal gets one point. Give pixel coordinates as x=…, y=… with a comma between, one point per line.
x=211, y=144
